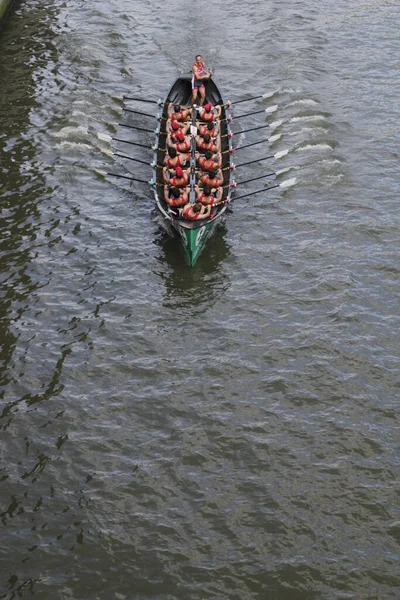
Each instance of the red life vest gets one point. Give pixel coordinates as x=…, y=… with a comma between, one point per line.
x=186, y=211
x=212, y=199
x=204, y=131
x=171, y=164
x=210, y=167
x=183, y=146
x=177, y=116
x=201, y=70
x=211, y=182
x=210, y=146
x=173, y=181
x=177, y=201
x=208, y=117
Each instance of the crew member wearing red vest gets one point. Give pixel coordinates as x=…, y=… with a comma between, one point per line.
x=207, y=143
x=209, y=196
x=179, y=141
x=175, y=197
x=180, y=179
x=210, y=161
x=199, y=78
x=174, y=159
x=212, y=129
x=174, y=126
x=193, y=212
x=177, y=113
x=213, y=179
x=210, y=112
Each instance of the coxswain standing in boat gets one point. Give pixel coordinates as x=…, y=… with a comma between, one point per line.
x=179, y=180
x=177, y=113
x=209, y=196
x=175, y=159
x=199, y=78
x=210, y=161
x=175, y=197
x=210, y=113
x=193, y=212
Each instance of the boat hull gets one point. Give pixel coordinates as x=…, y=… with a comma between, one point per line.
x=193, y=235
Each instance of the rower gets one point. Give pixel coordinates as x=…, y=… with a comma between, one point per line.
x=175, y=197
x=207, y=143
x=211, y=129
x=177, y=113
x=213, y=179
x=174, y=159
x=180, y=179
x=209, y=196
x=196, y=211
x=173, y=126
x=199, y=78
x=179, y=141
x=209, y=113
x=210, y=161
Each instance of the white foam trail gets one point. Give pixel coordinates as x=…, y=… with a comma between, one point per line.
x=304, y=102
x=73, y=146
x=70, y=131
x=314, y=147
x=306, y=130
x=309, y=118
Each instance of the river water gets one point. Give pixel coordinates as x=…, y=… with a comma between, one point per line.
x=229, y=431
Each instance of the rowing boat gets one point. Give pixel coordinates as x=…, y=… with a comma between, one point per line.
x=193, y=234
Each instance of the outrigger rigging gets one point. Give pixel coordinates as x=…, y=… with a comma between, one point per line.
x=192, y=230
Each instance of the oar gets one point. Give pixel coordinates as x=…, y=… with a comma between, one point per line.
x=105, y=173
x=272, y=125
x=107, y=138
x=139, y=160
x=159, y=102
x=284, y=185
x=137, y=112
x=277, y=155
x=271, y=140
x=139, y=128
x=263, y=96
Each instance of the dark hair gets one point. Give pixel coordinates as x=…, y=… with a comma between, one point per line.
x=207, y=138
x=207, y=190
x=212, y=174
x=177, y=108
x=197, y=207
x=172, y=152
x=208, y=154
x=210, y=126
x=175, y=192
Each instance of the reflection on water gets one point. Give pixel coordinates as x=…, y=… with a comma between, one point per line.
x=198, y=287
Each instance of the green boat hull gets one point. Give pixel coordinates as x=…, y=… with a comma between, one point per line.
x=193, y=240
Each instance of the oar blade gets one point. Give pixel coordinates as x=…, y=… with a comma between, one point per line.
x=107, y=152
x=274, y=138
x=268, y=95
x=100, y=172
x=281, y=153
x=271, y=109
x=275, y=124
x=288, y=183
x=104, y=137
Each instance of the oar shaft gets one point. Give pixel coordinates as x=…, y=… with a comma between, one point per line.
x=250, y=162
x=254, y=128
x=255, y=178
x=138, y=112
x=139, y=160
x=271, y=187
x=253, y=144
x=134, y=127
x=141, y=99
x=246, y=99
x=250, y=113
x=126, y=177
x=128, y=142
